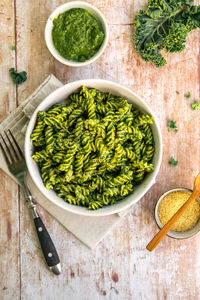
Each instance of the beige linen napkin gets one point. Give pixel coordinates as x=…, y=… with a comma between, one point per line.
x=90, y=230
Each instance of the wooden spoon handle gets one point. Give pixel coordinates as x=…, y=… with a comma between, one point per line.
x=161, y=234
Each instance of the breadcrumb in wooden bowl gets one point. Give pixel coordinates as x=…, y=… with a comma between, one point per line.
x=168, y=204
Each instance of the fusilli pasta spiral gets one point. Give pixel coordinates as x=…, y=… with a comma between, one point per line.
x=93, y=150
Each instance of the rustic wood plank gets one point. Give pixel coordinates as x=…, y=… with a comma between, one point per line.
x=119, y=267
x=9, y=221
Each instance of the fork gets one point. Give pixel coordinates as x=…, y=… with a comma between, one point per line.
x=17, y=166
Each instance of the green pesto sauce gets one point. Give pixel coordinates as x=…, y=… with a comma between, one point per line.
x=77, y=34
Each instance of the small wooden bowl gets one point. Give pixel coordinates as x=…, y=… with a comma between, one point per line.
x=175, y=234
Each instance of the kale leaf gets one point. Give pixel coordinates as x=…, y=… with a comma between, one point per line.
x=164, y=24
x=188, y=95
x=173, y=162
x=18, y=77
x=172, y=125
x=195, y=105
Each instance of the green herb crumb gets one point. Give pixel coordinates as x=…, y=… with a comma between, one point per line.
x=172, y=125
x=195, y=105
x=173, y=162
x=17, y=78
x=188, y=95
x=13, y=48
x=177, y=92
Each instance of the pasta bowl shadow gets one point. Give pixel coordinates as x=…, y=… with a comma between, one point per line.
x=59, y=96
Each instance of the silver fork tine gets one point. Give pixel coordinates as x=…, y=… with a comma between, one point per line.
x=4, y=153
x=16, y=144
x=11, y=145
x=8, y=150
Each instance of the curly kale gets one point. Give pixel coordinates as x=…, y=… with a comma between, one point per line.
x=164, y=24
x=17, y=78
x=173, y=162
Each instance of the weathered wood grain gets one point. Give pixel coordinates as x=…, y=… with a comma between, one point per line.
x=9, y=215
x=119, y=267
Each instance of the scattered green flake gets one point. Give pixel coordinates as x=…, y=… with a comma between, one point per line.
x=17, y=78
x=177, y=92
x=13, y=48
x=172, y=125
x=188, y=95
x=173, y=162
x=195, y=105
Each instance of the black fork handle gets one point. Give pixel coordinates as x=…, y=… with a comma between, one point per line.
x=47, y=245
x=48, y=248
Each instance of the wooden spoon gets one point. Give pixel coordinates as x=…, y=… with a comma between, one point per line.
x=161, y=234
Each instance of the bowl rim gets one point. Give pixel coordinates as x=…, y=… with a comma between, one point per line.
x=64, y=7
x=171, y=233
x=108, y=210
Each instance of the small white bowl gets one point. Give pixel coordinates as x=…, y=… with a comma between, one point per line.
x=177, y=234
x=49, y=26
x=59, y=96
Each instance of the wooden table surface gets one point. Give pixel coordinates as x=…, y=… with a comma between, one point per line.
x=119, y=267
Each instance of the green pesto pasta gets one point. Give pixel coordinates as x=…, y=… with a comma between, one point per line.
x=93, y=150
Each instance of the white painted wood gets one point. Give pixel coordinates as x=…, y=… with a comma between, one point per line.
x=9, y=216
x=119, y=267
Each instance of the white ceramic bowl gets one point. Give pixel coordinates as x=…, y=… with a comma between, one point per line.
x=174, y=234
x=49, y=26
x=59, y=96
